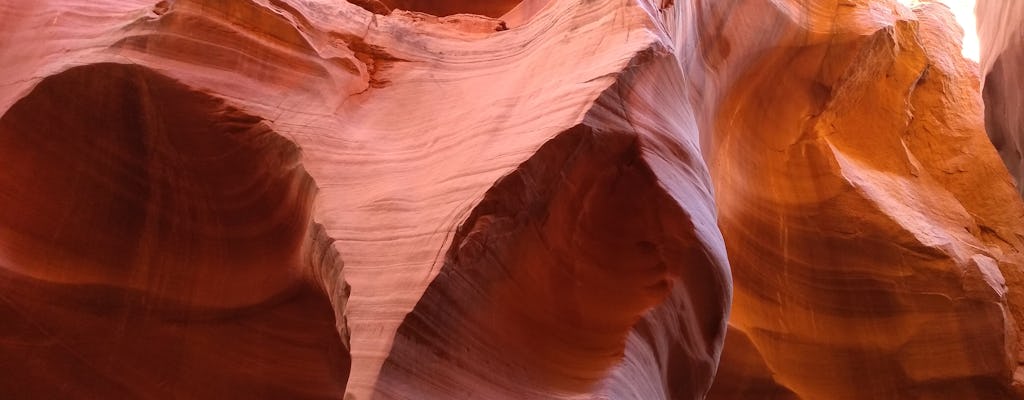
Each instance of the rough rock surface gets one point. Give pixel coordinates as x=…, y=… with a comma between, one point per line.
x=546, y=199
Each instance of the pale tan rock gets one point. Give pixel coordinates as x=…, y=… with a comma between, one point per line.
x=1000, y=32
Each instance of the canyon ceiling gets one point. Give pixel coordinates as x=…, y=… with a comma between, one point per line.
x=545, y=199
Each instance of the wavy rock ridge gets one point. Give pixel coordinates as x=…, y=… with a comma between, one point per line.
x=726, y=199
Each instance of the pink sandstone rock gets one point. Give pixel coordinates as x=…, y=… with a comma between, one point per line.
x=547, y=199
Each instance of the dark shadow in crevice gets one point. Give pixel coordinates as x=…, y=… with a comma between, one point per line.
x=154, y=245
x=546, y=278
x=441, y=8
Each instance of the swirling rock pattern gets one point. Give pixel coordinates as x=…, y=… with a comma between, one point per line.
x=546, y=199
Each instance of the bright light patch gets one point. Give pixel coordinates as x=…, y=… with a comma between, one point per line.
x=964, y=12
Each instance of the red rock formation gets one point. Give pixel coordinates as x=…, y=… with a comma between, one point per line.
x=317, y=198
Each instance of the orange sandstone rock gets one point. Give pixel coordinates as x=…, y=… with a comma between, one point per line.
x=871, y=228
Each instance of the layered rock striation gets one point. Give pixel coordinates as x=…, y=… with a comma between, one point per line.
x=545, y=199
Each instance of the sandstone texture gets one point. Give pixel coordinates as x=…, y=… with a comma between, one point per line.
x=546, y=199
x=1001, y=33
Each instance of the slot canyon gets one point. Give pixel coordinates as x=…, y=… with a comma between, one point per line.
x=502, y=199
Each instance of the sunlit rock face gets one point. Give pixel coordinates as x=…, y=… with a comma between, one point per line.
x=547, y=199
x=869, y=222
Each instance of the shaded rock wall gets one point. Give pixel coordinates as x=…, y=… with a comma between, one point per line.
x=723, y=199
x=1002, y=55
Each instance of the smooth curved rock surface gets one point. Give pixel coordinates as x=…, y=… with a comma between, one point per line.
x=869, y=222
x=1002, y=57
x=547, y=199
x=156, y=250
